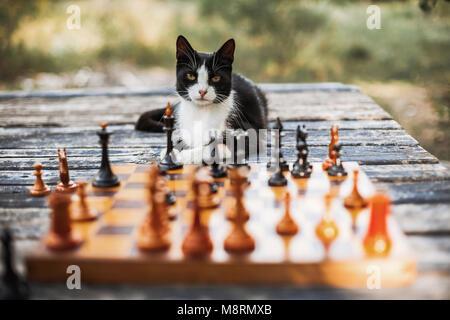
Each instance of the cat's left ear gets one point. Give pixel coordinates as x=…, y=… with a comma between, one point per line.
x=227, y=51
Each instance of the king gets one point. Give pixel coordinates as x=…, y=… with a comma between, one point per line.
x=168, y=162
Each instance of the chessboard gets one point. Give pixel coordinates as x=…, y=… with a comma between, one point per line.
x=108, y=252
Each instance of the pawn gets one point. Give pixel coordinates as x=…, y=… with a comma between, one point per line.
x=208, y=199
x=61, y=236
x=327, y=230
x=152, y=235
x=64, y=184
x=197, y=242
x=277, y=179
x=239, y=240
x=82, y=212
x=355, y=202
x=287, y=225
x=39, y=188
x=238, y=180
x=377, y=241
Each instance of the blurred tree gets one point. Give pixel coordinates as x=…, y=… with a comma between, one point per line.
x=12, y=12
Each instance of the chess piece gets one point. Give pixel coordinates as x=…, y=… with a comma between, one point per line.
x=105, y=178
x=209, y=199
x=197, y=242
x=64, y=184
x=355, y=202
x=82, y=211
x=239, y=240
x=287, y=225
x=169, y=162
x=377, y=241
x=238, y=182
x=39, y=188
x=302, y=168
x=334, y=134
x=277, y=156
x=152, y=235
x=327, y=230
x=157, y=183
x=277, y=179
x=12, y=286
x=61, y=236
x=337, y=169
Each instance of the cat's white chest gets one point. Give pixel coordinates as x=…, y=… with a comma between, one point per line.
x=194, y=122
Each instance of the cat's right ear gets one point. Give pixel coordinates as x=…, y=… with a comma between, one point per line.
x=183, y=47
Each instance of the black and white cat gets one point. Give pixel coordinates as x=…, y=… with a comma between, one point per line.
x=211, y=96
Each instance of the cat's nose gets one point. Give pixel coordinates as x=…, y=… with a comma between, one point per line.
x=202, y=92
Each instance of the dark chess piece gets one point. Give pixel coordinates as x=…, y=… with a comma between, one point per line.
x=168, y=162
x=105, y=178
x=337, y=169
x=277, y=179
x=12, y=287
x=277, y=128
x=301, y=168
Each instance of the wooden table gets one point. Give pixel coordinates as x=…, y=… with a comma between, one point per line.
x=34, y=125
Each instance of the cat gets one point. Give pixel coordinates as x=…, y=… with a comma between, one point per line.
x=211, y=95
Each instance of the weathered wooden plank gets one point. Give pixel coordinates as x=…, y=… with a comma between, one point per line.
x=388, y=173
x=399, y=173
x=418, y=192
x=420, y=289
x=423, y=219
x=128, y=138
x=157, y=91
x=343, y=125
x=26, y=177
x=372, y=155
x=310, y=106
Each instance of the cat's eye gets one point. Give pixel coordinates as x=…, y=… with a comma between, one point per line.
x=215, y=79
x=190, y=76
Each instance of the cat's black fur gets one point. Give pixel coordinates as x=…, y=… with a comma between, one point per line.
x=251, y=102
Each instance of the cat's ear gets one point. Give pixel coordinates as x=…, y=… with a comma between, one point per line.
x=183, y=47
x=227, y=51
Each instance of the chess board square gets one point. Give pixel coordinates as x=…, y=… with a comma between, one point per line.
x=176, y=176
x=132, y=195
x=124, y=217
x=129, y=204
x=102, y=193
x=180, y=193
x=135, y=185
x=142, y=168
x=115, y=230
x=138, y=177
x=123, y=169
x=107, y=246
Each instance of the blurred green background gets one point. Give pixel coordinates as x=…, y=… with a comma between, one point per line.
x=404, y=66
